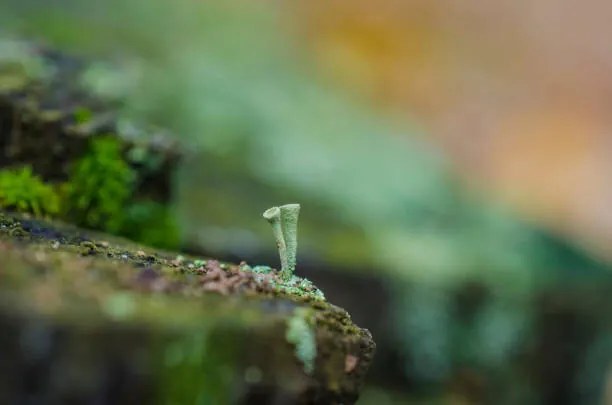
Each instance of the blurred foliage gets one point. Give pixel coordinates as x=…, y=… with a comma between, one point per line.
x=23, y=191
x=18, y=65
x=263, y=129
x=151, y=223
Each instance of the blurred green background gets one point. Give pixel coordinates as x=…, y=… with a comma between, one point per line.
x=433, y=206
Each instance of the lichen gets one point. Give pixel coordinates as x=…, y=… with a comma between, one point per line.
x=295, y=286
x=302, y=287
x=284, y=220
x=300, y=333
x=23, y=191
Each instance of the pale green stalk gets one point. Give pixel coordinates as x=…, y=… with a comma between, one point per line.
x=284, y=226
x=273, y=216
x=289, y=223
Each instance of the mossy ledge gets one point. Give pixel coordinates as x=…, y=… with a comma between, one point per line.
x=88, y=317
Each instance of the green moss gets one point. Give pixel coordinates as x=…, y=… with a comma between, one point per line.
x=300, y=333
x=99, y=194
x=100, y=185
x=82, y=115
x=23, y=191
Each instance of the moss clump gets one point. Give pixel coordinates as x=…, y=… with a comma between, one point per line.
x=300, y=333
x=23, y=191
x=100, y=185
x=99, y=194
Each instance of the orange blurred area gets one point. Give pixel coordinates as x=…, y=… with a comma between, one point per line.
x=518, y=93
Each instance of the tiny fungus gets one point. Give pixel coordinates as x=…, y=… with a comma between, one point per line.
x=284, y=220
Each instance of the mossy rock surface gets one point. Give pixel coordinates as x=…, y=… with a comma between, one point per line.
x=89, y=318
